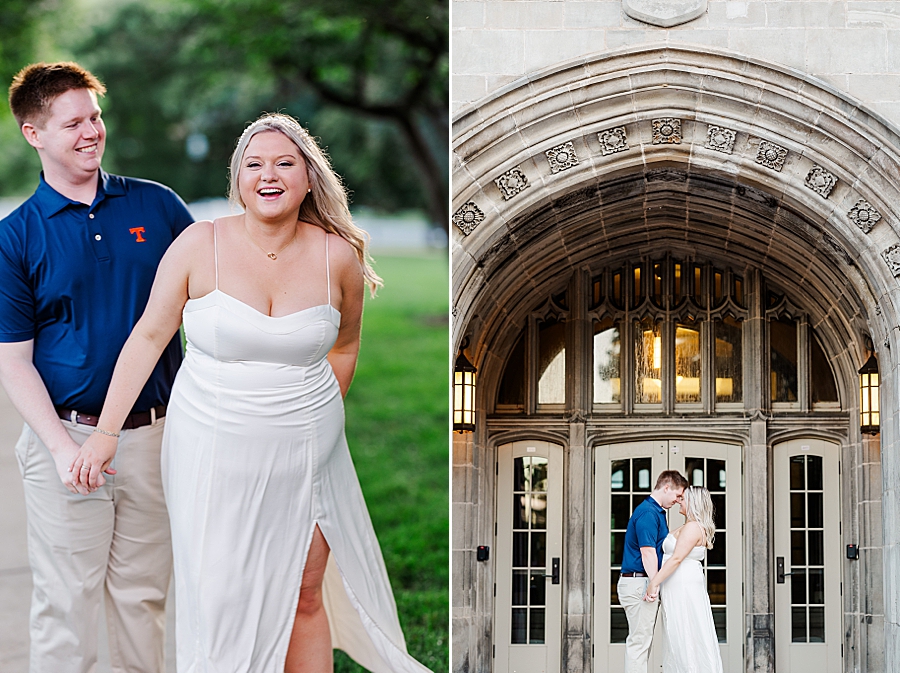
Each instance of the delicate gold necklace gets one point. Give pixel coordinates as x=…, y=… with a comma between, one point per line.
x=274, y=255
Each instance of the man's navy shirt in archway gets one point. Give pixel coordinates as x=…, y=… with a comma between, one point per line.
x=647, y=527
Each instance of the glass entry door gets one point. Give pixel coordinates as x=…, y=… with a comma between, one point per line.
x=527, y=608
x=624, y=476
x=807, y=573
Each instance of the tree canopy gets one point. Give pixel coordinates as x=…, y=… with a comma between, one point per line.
x=184, y=77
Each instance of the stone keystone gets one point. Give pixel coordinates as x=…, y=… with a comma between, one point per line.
x=666, y=131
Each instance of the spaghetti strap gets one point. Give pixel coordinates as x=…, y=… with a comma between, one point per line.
x=327, y=269
x=216, y=253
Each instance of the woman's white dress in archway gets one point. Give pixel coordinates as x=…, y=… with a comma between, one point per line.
x=690, y=634
x=254, y=457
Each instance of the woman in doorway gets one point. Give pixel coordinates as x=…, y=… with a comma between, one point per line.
x=276, y=561
x=691, y=642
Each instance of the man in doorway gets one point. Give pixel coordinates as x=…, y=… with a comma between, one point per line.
x=641, y=560
x=77, y=261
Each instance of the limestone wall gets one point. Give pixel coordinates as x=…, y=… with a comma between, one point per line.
x=854, y=44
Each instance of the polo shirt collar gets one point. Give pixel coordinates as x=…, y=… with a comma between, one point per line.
x=52, y=202
x=655, y=504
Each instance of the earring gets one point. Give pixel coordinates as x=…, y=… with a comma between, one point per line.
x=309, y=190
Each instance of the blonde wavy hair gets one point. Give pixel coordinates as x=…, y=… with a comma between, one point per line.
x=326, y=205
x=699, y=507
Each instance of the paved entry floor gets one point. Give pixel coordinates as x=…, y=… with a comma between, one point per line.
x=15, y=575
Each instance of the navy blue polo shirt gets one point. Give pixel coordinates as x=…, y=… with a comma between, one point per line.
x=76, y=278
x=647, y=527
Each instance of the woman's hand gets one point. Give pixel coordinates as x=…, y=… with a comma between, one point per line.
x=652, y=592
x=92, y=460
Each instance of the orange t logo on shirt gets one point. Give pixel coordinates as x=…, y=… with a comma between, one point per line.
x=138, y=231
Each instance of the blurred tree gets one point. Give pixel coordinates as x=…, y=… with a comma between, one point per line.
x=384, y=58
x=20, y=23
x=186, y=76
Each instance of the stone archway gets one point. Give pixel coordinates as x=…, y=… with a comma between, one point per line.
x=750, y=159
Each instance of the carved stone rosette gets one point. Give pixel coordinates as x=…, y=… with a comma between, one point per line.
x=562, y=157
x=892, y=257
x=771, y=155
x=666, y=130
x=820, y=181
x=613, y=140
x=511, y=183
x=864, y=215
x=468, y=217
x=720, y=139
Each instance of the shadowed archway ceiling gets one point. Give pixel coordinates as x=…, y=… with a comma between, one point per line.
x=668, y=210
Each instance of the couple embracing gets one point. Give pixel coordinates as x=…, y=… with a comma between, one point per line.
x=669, y=566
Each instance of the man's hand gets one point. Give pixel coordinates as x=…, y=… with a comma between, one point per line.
x=63, y=457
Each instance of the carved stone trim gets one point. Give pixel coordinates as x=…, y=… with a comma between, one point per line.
x=613, y=140
x=562, y=157
x=771, y=155
x=892, y=258
x=720, y=139
x=468, y=217
x=666, y=130
x=864, y=215
x=820, y=181
x=511, y=183
x=664, y=14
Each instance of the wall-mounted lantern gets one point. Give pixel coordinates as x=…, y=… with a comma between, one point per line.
x=463, y=392
x=869, y=409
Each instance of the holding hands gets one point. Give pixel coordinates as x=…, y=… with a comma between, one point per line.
x=652, y=592
x=93, y=459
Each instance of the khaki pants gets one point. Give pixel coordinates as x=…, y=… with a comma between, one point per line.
x=641, y=622
x=114, y=542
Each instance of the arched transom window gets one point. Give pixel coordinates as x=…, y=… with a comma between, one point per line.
x=668, y=336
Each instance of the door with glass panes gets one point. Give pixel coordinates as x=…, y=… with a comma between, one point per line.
x=807, y=572
x=624, y=476
x=528, y=553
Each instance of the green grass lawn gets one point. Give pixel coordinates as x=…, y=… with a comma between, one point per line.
x=397, y=422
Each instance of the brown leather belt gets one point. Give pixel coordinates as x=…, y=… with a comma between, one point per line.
x=638, y=574
x=136, y=420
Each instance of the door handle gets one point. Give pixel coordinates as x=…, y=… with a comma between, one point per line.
x=779, y=570
x=554, y=571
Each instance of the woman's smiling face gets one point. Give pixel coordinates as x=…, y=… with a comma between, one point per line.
x=273, y=179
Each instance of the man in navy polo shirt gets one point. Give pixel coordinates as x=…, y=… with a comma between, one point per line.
x=641, y=560
x=77, y=261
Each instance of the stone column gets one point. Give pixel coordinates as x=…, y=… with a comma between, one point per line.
x=463, y=562
x=871, y=558
x=576, y=646
x=757, y=460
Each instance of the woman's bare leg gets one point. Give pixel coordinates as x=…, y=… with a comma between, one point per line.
x=310, y=647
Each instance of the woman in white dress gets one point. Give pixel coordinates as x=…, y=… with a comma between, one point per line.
x=276, y=561
x=691, y=642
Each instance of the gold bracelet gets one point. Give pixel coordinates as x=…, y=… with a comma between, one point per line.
x=106, y=432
